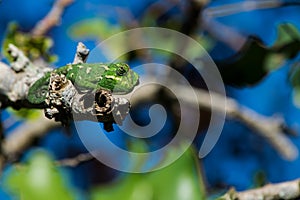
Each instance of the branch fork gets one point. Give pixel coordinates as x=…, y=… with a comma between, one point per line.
x=64, y=102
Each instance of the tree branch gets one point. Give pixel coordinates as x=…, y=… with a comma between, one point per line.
x=16, y=142
x=52, y=18
x=73, y=162
x=64, y=102
x=273, y=129
x=223, y=33
x=22, y=74
x=81, y=53
x=22, y=137
x=245, y=6
x=285, y=190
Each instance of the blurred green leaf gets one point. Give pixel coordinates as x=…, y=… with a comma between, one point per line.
x=274, y=61
x=286, y=33
x=296, y=96
x=260, y=179
x=171, y=44
x=25, y=113
x=93, y=28
x=34, y=47
x=253, y=62
x=99, y=30
x=179, y=181
x=246, y=67
x=38, y=179
x=294, y=77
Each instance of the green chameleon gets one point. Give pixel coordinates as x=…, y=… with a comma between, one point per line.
x=116, y=77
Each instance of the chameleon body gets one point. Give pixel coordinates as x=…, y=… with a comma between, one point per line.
x=116, y=77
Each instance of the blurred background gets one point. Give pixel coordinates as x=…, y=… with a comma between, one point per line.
x=236, y=34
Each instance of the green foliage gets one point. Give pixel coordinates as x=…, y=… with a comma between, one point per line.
x=25, y=113
x=100, y=29
x=93, y=28
x=246, y=67
x=260, y=179
x=286, y=33
x=294, y=77
x=253, y=62
x=38, y=179
x=296, y=96
x=179, y=181
x=34, y=47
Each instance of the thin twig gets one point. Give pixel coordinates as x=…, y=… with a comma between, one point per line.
x=284, y=190
x=23, y=136
x=52, y=18
x=227, y=34
x=223, y=33
x=245, y=6
x=21, y=139
x=22, y=73
x=2, y=160
x=273, y=129
x=81, y=53
x=18, y=141
x=75, y=161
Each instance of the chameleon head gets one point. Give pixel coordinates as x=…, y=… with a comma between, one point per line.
x=122, y=78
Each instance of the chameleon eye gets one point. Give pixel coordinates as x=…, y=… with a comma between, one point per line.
x=122, y=69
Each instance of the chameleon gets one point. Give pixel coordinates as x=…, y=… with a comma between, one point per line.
x=116, y=77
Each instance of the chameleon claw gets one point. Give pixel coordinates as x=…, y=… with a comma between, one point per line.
x=108, y=126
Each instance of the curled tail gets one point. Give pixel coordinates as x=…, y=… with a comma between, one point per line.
x=38, y=91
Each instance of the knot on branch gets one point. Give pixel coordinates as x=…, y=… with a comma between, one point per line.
x=103, y=101
x=59, y=85
x=20, y=61
x=57, y=82
x=81, y=54
x=65, y=103
x=59, y=97
x=109, y=109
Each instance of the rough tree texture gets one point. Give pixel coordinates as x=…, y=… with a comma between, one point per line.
x=64, y=103
x=22, y=73
x=286, y=190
